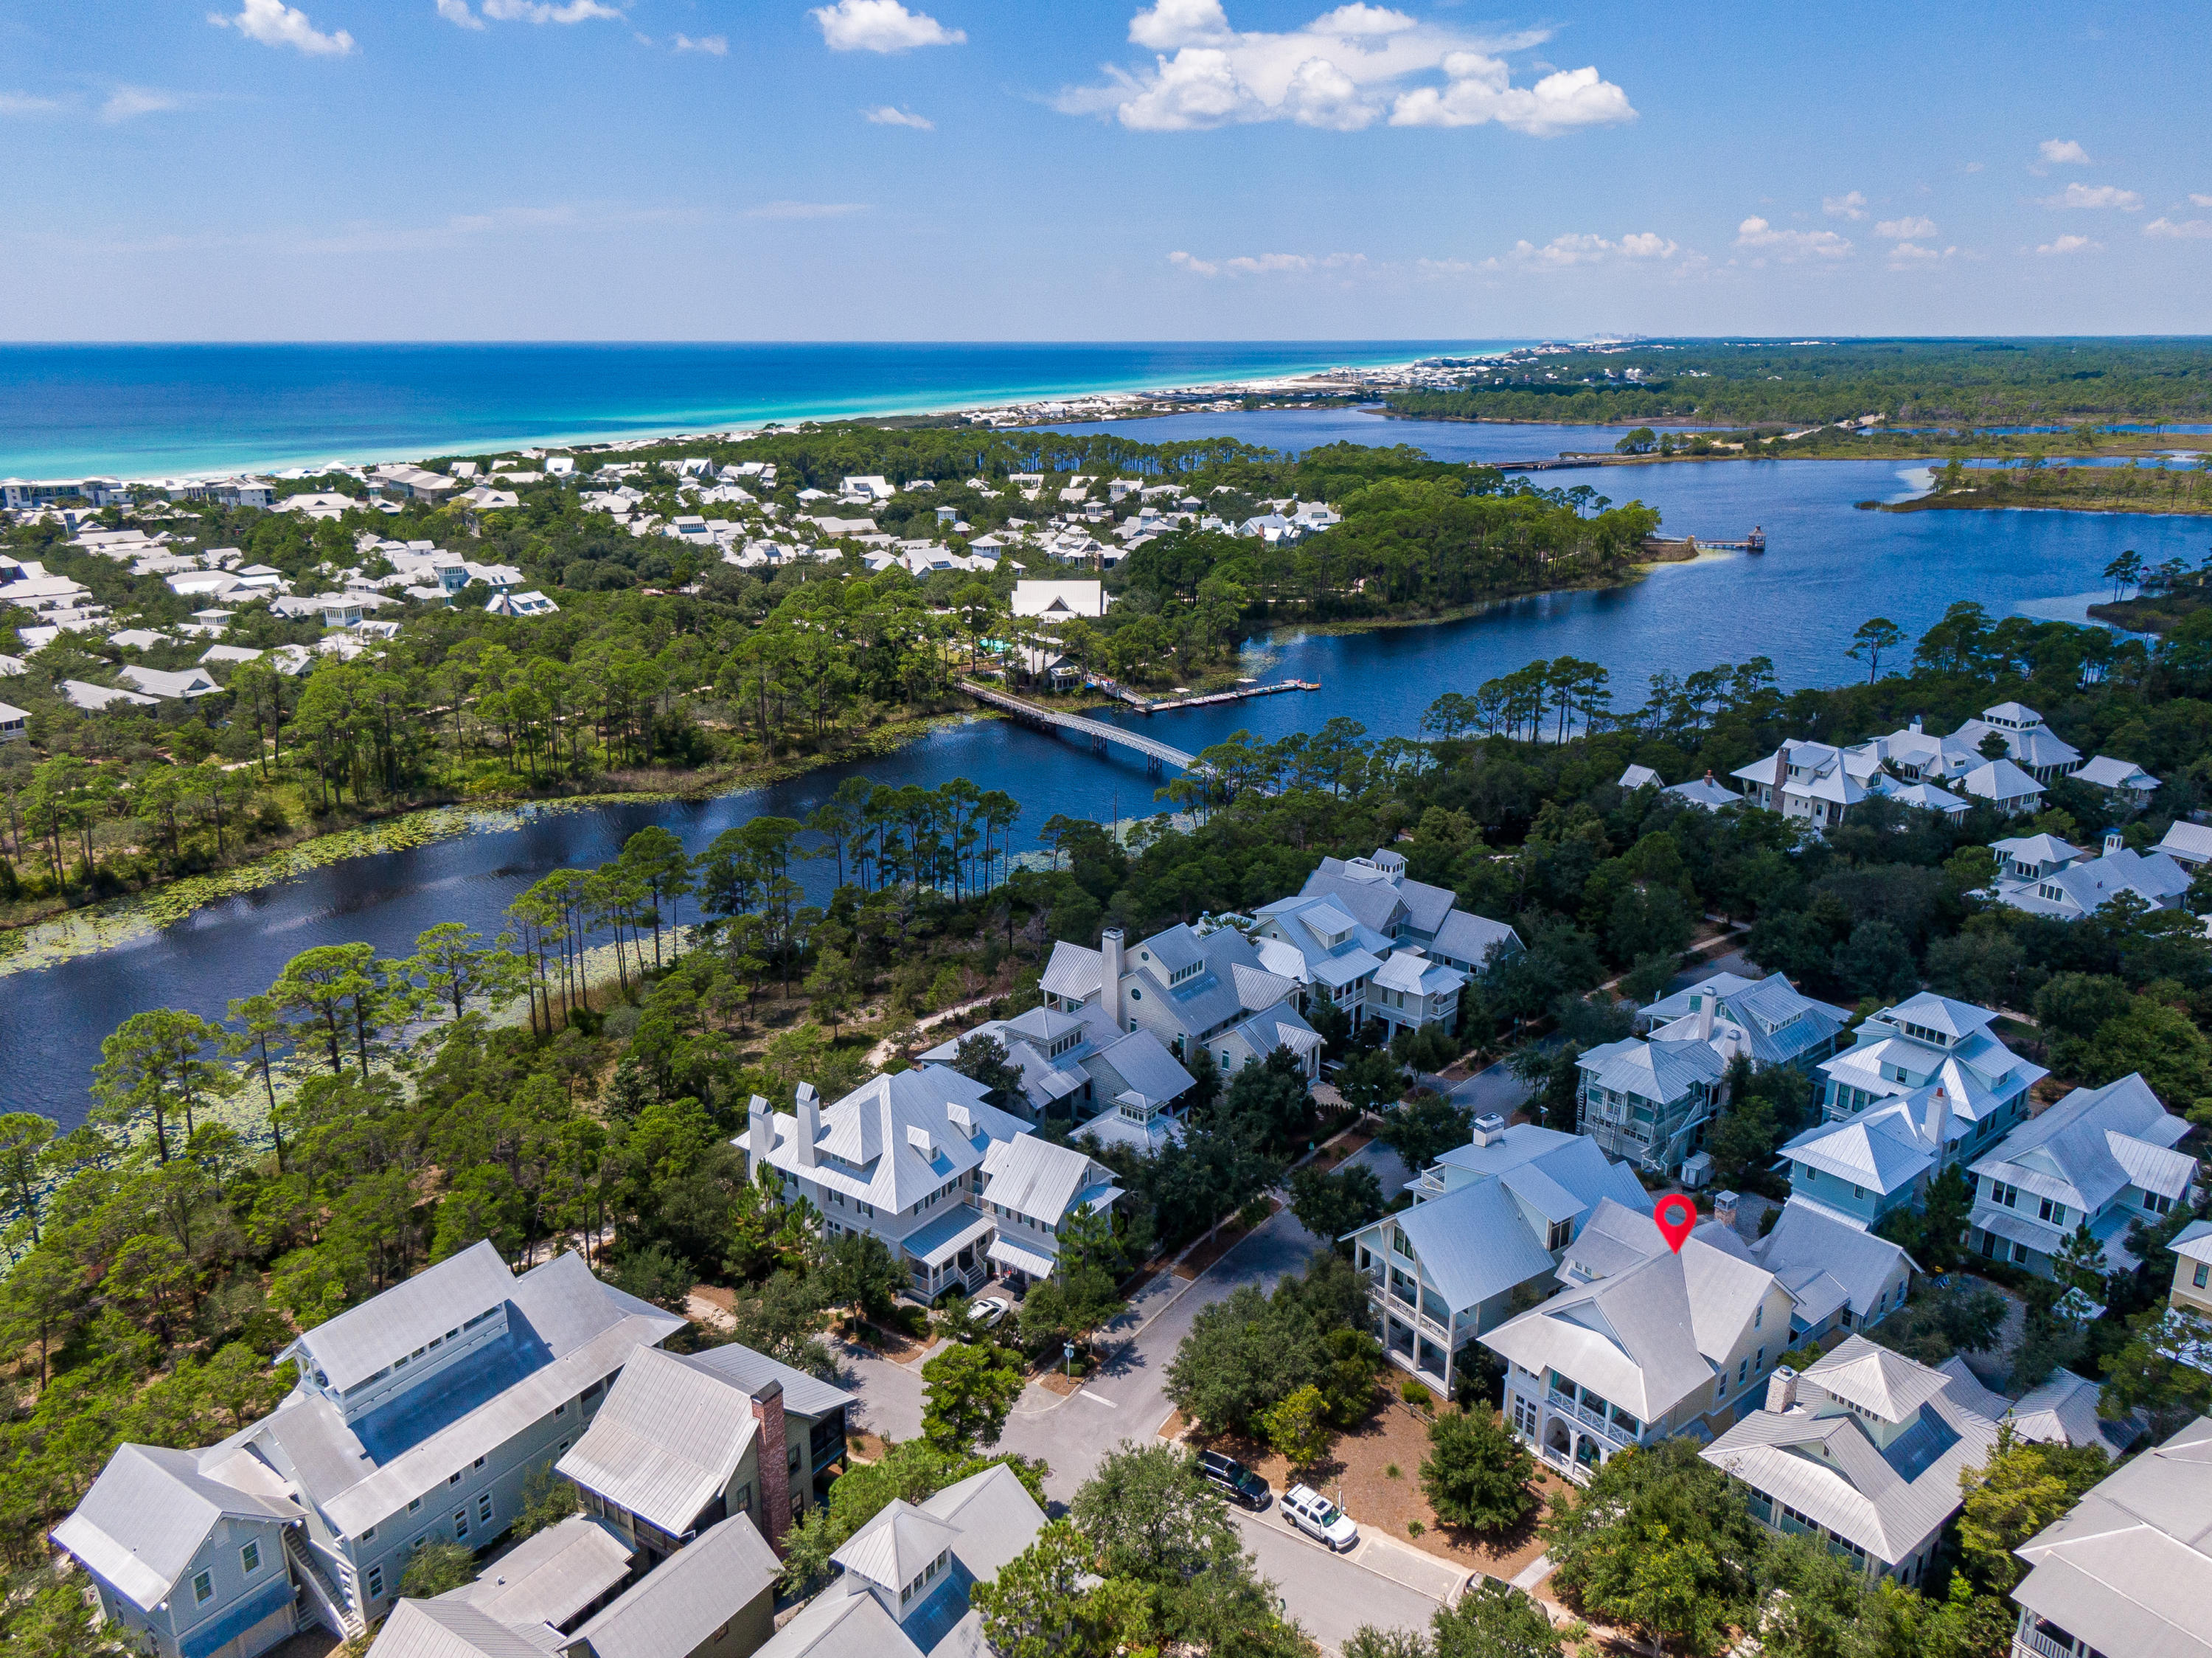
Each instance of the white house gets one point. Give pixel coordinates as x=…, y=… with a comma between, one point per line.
x=1121, y=1087
x=2123, y=777
x=1055, y=601
x=2188, y=845
x=1928, y=1039
x=1194, y=989
x=2044, y=875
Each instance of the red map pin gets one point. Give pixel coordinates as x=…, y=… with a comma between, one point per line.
x=1677, y=1215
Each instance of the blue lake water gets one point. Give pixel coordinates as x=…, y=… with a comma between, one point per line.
x=1829, y=567
x=154, y=411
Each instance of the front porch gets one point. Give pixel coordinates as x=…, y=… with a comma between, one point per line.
x=948, y=1254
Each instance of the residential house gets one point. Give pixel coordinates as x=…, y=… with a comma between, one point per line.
x=2124, y=778
x=1321, y=946
x=1927, y=1039
x=1808, y=780
x=94, y=698
x=1059, y=602
x=1767, y=1018
x=1194, y=989
x=417, y=1416
x=1840, y=1277
x=1863, y=1453
x=2128, y=1572
x=1638, y=777
x=1860, y=1168
x=2102, y=1157
x=533, y=603
x=904, y=1579
x=2192, y=1269
x=572, y=1589
x=913, y=1159
x=2061, y=1410
x=1703, y=792
x=1649, y=1102
x=2188, y=845
x=1645, y=1343
x=410, y=482
x=14, y=722
x=687, y=1440
x=2068, y=884
x=1409, y=991
x=1380, y=895
x=1488, y=1222
x=155, y=682
x=1122, y=1085
x=2029, y=743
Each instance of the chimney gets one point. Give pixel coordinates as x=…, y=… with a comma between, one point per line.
x=1704, y=1000
x=1935, y=1118
x=1782, y=1388
x=761, y=1133
x=2113, y=843
x=1489, y=1128
x=810, y=1125
x=1110, y=982
x=773, y=1457
x=1916, y=723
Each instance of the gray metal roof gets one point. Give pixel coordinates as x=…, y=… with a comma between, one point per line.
x=1141, y=1061
x=672, y=1610
x=994, y=1515
x=1630, y=1338
x=2092, y=1143
x=1658, y=1071
x=840, y=1623
x=1806, y=1236
x=1032, y=1176
x=358, y=1343
x=1074, y=971
x=2129, y=1567
x=1884, y=1148
x=896, y=1547
x=551, y=1577
x=666, y=1442
x=740, y=1366
x=1470, y=938
x=894, y=1139
x=452, y=1628
x=147, y=1515
x=1472, y=1243
x=1863, y=1373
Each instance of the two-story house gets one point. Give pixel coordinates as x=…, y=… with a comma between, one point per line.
x=417, y=1416
x=1123, y=1087
x=2128, y=1572
x=1381, y=897
x=2045, y=877
x=1771, y=1022
x=1198, y=990
x=1489, y=1219
x=1644, y=1343
x=2100, y=1157
x=1860, y=1168
x=687, y=1440
x=914, y=1158
x=1649, y=1102
x=1319, y=944
x=1410, y=991
x=1925, y=1040
x=1863, y=1453
x=1839, y=1275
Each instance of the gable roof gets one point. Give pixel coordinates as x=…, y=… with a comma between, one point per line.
x=147, y=1515
x=450, y=1627
x=1628, y=1337
x=666, y=1442
x=358, y=1343
x=551, y=1577
x=1032, y=1176
x=1472, y=1243
x=675, y=1608
x=1808, y=1237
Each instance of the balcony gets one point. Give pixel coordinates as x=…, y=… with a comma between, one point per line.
x=2029, y=1642
x=1565, y=1463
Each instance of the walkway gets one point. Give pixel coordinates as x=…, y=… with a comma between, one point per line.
x=1098, y=731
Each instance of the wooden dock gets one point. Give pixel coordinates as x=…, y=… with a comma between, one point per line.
x=1214, y=698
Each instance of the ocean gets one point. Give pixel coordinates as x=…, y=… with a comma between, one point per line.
x=163, y=410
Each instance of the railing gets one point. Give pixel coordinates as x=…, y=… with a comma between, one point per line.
x=1566, y=1464
x=2028, y=1638
x=322, y=1594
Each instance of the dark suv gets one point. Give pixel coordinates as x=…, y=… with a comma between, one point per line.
x=1242, y=1485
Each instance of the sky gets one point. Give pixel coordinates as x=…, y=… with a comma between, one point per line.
x=1082, y=170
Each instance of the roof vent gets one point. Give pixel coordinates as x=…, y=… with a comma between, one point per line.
x=1489, y=1128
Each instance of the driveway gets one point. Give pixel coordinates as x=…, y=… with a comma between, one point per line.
x=1332, y=1595
x=1494, y=1088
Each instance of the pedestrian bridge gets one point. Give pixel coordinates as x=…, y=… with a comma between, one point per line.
x=1158, y=755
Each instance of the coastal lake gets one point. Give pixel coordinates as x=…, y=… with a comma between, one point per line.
x=1828, y=568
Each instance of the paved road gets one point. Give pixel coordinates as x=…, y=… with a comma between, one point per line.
x=1331, y=1595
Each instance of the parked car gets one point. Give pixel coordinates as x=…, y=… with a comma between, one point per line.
x=990, y=1311
x=1319, y=1518
x=1244, y=1488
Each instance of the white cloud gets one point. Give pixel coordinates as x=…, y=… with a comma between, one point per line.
x=457, y=11
x=128, y=102
x=2071, y=245
x=1911, y=256
x=1266, y=264
x=1790, y=245
x=2180, y=229
x=276, y=24
x=881, y=26
x=1974, y=167
x=2096, y=195
x=1905, y=230
x=536, y=11
x=1564, y=253
x=1346, y=71
x=18, y=103
x=805, y=210
x=1852, y=206
x=2201, y=201
x=2062, y=152
x=891, y=115
x=715, y=45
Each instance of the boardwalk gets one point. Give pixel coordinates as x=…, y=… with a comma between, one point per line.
x=1156, y=754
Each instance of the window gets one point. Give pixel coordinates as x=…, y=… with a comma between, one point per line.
x=560, y=1410
x=460, y=1524
x=1742, y=1372
x=2020, y=1254
x=794, y=1458
x=1759, y=1315
x=483, y=1509
x=1720, y=1388
x=478, y=1464
x=374, y=1583
x=414, y=1503
x=2203, y=1271
x=368, y=1534
x=2055, y=1213
x=202, y=1587
x=454, y=1478
x=249, y=1558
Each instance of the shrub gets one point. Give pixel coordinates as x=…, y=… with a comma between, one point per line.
x=1417, y=1394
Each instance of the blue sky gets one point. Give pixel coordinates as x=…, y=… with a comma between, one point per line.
x=976, y=169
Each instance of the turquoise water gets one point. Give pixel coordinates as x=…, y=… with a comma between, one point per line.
x=155, y=411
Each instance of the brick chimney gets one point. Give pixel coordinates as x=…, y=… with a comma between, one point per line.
x=774, y=1458
x=1109, y=981
x=1782, y=1388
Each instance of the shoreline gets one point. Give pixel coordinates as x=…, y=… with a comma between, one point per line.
x=741, y=426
